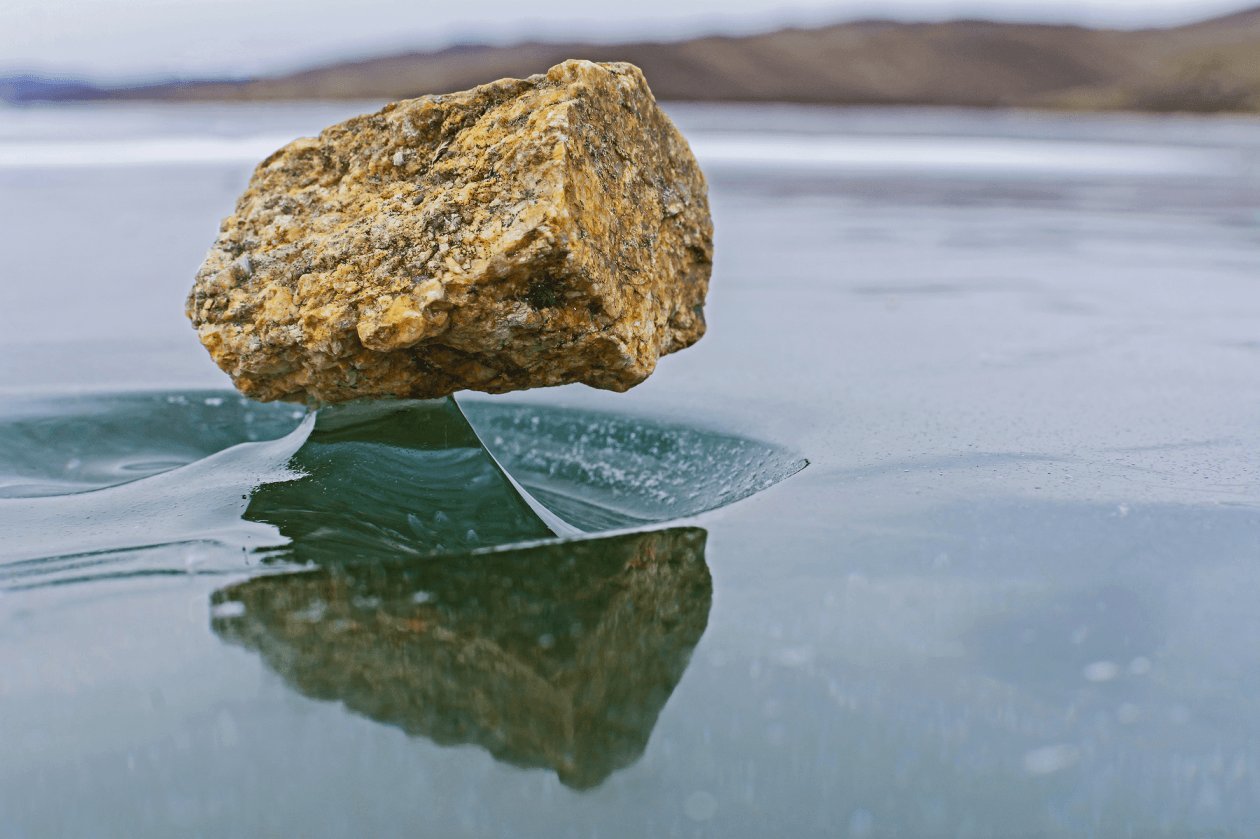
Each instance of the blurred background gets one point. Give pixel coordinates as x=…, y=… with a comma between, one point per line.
x=1078, y=54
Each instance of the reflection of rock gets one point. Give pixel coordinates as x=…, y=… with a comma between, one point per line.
x=525, y=233
x=559, y=655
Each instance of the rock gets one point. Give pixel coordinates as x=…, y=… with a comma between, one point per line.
x=525, y=233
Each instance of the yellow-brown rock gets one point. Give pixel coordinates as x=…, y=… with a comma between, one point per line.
x=521, y=234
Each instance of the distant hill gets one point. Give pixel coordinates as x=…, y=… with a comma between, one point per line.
x=1209, y=66
x=32, y=88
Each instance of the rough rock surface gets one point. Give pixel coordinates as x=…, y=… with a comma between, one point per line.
x=523, y=233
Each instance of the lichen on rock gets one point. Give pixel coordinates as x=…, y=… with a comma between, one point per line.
x=525, y=233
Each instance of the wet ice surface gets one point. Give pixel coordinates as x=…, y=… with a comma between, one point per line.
x=56, y=446
x=1014, y=593
x=162, y=476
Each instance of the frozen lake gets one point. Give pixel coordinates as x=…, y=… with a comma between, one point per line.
x=1014, y=593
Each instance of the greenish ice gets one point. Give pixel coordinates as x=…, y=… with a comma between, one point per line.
x=950, y=526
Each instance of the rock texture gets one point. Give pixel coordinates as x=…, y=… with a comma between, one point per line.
x=523, y=233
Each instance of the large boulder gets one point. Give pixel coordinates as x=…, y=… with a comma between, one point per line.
x=525, y=233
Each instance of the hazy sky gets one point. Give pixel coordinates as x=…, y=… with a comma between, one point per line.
x=127, y=39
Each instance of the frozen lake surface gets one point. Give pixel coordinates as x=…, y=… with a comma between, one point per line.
x=1014, y=593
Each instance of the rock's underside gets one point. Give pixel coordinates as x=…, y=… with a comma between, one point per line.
x=521, y=234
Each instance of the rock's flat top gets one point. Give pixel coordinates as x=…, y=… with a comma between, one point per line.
x=521, y=234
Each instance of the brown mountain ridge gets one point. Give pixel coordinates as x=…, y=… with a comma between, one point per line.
x=1213, y=65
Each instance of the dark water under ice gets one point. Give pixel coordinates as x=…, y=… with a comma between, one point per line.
x=1012, y=594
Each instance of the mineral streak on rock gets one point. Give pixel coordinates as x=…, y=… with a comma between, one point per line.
x=524, y=233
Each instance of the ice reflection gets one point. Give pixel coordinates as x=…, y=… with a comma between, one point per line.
x=57, y=445
x=206, y=482
x=394, y=479
x=98, y=488
x=414, y=478
x=558, y=655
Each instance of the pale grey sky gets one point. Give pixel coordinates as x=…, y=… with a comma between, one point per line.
x=130, y=39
